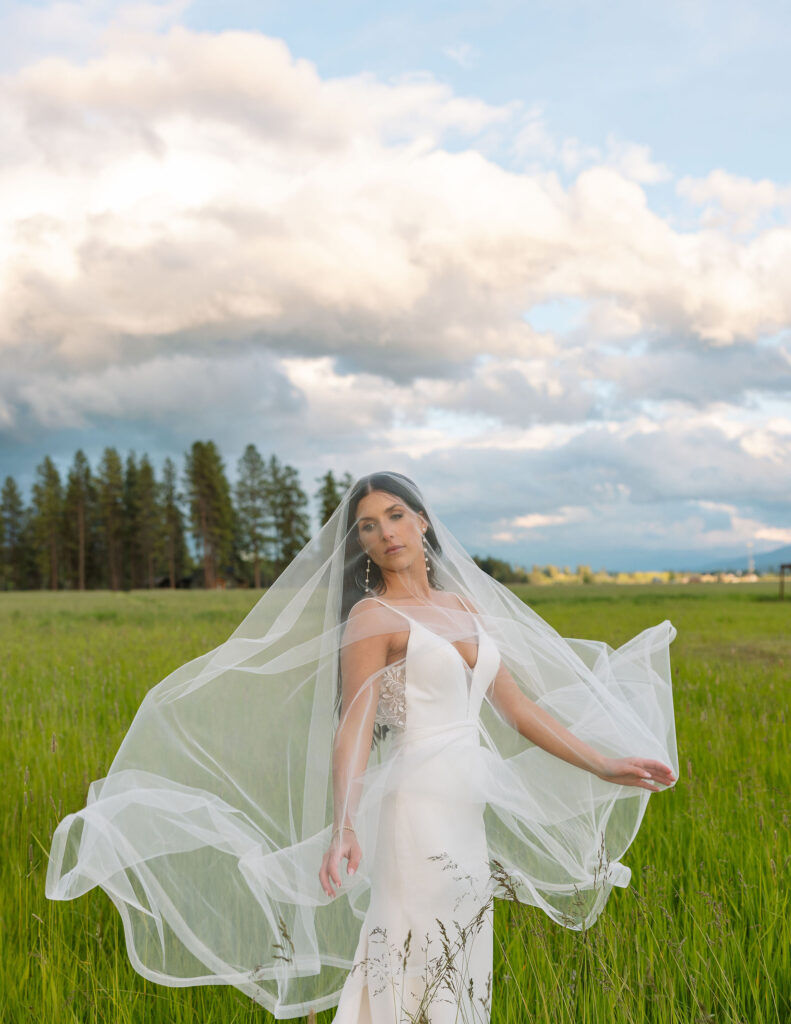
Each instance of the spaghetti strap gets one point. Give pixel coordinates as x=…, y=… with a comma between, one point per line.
x=464, y=604
x=409, y=618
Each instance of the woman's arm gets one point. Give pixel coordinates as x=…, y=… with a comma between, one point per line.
x=538, y=726
x=361, y=660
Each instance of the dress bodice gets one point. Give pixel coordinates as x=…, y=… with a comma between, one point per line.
x=434, y=685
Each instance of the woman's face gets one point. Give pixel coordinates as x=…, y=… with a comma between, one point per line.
x=389, y=531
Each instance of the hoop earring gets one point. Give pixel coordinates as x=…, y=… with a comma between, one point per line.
x=367, y=575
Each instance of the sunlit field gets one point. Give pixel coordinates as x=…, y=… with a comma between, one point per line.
x=701, y=934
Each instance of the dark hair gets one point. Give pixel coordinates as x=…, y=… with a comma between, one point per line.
x=354, y=566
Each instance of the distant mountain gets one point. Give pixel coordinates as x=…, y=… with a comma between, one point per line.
x=632, y=559
x=764, y=561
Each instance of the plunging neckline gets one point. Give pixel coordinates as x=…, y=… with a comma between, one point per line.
x=416, y=622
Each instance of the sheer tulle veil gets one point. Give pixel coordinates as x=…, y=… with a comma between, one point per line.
x=209, y=829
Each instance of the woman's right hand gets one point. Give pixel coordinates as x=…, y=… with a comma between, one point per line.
x=344, y=846
x=642, y=772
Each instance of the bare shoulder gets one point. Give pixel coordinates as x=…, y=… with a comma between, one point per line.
x=363, y=606
x=452, y=599
x=367, y=607
x=372, y=621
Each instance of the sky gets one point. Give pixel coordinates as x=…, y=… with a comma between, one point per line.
x=534, y=255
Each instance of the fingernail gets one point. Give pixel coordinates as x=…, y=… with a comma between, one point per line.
x=351, y=871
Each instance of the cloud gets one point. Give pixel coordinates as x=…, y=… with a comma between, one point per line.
x=165, y=402
x=635, y=162
x=611, y=491
x=214, y=187
x=565, y=514
x=534, y=145
x=673, y=370
x=204, y=234
x=76, y=29
x=463, y=54
x=734, y=203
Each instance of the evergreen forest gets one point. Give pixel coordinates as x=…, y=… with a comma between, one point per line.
x=120, y=526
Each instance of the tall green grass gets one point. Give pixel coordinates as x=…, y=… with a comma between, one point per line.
x=701, y=935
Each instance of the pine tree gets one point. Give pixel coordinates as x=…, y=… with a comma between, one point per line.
x=149, y=526
x=48, y=521
x=253, y=508
x=5, y=568
x=131, y=528
x=111, y=510
x=211, y=511
x=173, y=532
x=330, y=493
x=290, y=520
x=78, y=518
x=17, y=555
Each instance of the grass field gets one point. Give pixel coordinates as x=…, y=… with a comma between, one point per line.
x=702, y=934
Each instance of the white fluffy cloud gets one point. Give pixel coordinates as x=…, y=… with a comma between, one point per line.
x=734, y=203
x=214, y=185
x=201, y=231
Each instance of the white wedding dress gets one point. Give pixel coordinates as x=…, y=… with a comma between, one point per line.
x=431, y=852
x=209, y=830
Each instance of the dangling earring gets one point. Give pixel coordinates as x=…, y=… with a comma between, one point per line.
x=425, y=554
x=367, y=575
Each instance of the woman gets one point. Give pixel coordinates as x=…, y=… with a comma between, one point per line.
x=432, y=702
x=389, y=705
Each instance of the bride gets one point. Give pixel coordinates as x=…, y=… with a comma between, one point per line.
x=388, y=705
x=433, y=701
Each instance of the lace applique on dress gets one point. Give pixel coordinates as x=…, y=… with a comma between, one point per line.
x=391, y=709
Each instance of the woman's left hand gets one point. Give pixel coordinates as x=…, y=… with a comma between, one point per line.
x=636, y=771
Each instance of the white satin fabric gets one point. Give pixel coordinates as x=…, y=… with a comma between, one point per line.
x=432, y=860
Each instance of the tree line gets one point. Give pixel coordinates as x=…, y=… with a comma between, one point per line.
x=120, y=527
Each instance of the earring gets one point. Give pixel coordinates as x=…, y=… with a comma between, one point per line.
x=425, y=554
x=367, y=575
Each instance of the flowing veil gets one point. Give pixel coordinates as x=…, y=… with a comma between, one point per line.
x=209, y=829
